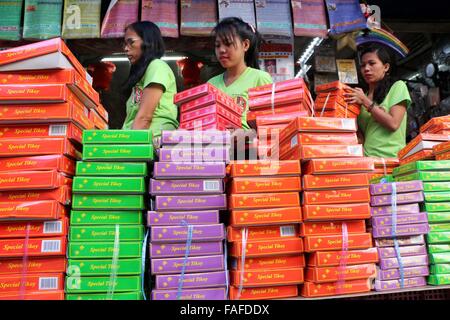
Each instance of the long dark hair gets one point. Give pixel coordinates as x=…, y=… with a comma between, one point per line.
x=227, y=29
x=152, y=48
x=384, y=85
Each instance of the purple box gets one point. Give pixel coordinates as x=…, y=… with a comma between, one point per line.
x=402, y=198
x=401, y=230
x=402, y=241
x=411, y=218
x=178, y=218
x=202, y=232
x=185, y=137
x=401, y=209
x=402, y=187
x=413, y=261
x=405, y=251
x=407, y=273
x=188, y=186
x=192, y=280
x=170, y=170
x=194, y=202
x=395, y=284
x=193, y=264
x=172, y=250
x=188, y=154
x=192, y=294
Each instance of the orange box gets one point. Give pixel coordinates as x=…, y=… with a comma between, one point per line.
x=332, y=86
x=62, y=194
x=264, y=200
x=280, y=98
x=265, y=248
x=34, y=265
x=292, y=154
x=275, y=119
x=270, y=263
x=263, y=293
x=31, y=282
x=102, y=112
x=326, y=138
x=421, y=155
x=314, y=290
x=257, y=185
x=337, y=196
x=277, y=87
x=314, y=182
x=38, y=147
x=26, y=131
x=339, y=113
x=98, y=122
x=32, y=180
x=44, y=163
x=265, y=168
x=327, y=151
x=241, y=218
x=331, y=228
x=331, y=274
x=263, y=233
x=300, y=110
x=31, y=210
x=334, y=258
x=334, y=242
x=386, y=162
x=420, y=138
x=57, y=228
x=443, y=156
x=441, y=148
x=30, y=94
x=259, y=278
x=437, y=121
x=338, y=166
x=44, y=295
x=336, y=212
x=383, y=171
x=335, y=101
x=12, y=248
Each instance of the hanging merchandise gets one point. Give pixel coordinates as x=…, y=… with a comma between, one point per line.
x=384, y=37
x=273, y=17
x=81, y=19
x=345, y=16
x=244, y=9
x=120, y=14
x=42, y=19
x=164, y=13
x=310, y=18
x=276, y=56
x=347, y=71
x=11, y=12
x=198, y=17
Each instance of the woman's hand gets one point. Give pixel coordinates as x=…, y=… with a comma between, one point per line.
x=357, y=96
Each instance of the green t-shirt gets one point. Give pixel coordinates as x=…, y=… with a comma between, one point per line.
x=379, y=141
x=165, y=115
x=250, y=78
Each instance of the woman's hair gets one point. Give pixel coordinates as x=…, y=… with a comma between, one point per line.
x=229, y=28
x=384, y=85
x=152, y=48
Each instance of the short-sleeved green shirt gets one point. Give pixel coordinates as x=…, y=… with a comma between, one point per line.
x=379, y=141
x=165, y=115
x=238, y=90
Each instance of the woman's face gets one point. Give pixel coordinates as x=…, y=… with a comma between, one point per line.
x=132, y=45
x=372, y=68
x=231, y=54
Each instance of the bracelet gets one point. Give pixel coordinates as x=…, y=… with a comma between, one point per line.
x=369, y=109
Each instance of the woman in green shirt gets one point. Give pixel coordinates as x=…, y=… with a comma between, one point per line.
x=236, y=46
x=382, y=120
x=151, y=81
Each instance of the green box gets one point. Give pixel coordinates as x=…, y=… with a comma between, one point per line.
x=437, y=248
x=386, y=179
x=106, y=233
x=439, y=279
x=438, y=237
x=102, y=296
x=437, y=207
x=436, y=186
x=442, y=268
x=124, y=152
x=439, y=227
x=429, y=176
x=115, y=185
x=434, y=217
x=104, y=267
x=105, y=217
x=443, y=257
x=117, y=136
x=102, y=284
x=110, y=169
x=421, y=166
x=104, y=250
x=105, y=202
x=437, y=196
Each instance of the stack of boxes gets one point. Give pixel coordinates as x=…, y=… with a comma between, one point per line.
x=442, y=151
x=435, y=176
x=421, y=147
x=267, y=252
x=398, y=227
x=383, y=169
x=106, y=235
x=187, y=253
x=438, y=125
x=330, y=101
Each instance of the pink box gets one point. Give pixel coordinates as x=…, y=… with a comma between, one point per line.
x=402, y=198
x=413, y=261
x=412, y=218
x=185, y=137
x=402, y=241
x=401, y=187
x=407, y=273
x=188, y=154
x=191, y=186
x=179, y=217
x=192, y=294
x=172, y=250
x=405, y=251
x=212, y=232
x=192, y=280
x=199, y=170
x=401, y=209
x=193, y=202
x=395, y=284
x=193, y=264
x=401, y=230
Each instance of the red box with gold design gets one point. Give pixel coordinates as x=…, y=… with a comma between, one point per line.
x=13, y=248
x=39, y=229
x=434, y=124
x=215, y=108
x=260, y=278
x=442, y=148
x=263, y=233
x=211, y=99
x=268, y=263
x=334, y=258
x=242, y=218
x=265, y=248
x=97, y=120
x=315, y=182
x=264, y=200
x=279, y=98
x=33, y=265
x=293, y=110
x=424, y=141
x=343, y=196
x=268, y=184
x=55, y=162
x=336, y=212
x=43, y=295
x=333, y=86
x=212, y=121
x=277, y=87
x=338, y=166
x=331, y=274
x=39, y=282
x=315, y=290
x=331, y=228
x=334, y=242
x=32, y=180
x=443, y=156
x=62, y=194
x=421, y=155
x=327, y=151
x=38, y=147
x=195, y=93
x=252, y=168
x=32, y=210
x=264, y=293
x=339, y=112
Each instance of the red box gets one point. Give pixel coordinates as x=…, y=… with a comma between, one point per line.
x=32, y=180
x=334, y=242
x=264, y=200
x=331, y=274
x=195, y=93
x=338, y=166
x=277, y=87
x=429, y=127
x=213, y=121
x=284, y=97
x=30, y=94
x=313, y=290
x=213, y=98
x=292, y=154
x=336, y=212
x=266, y=184
x=339, y=113
x=44, y=163
x=270, y=263
x=251, y=168
x=276, y=216
x=386, y=162
x=62, y=194
x=262, y=233
x=39, y=229
x=34, y=265
x=421, y=155
x=344, y=196
x=31, y=210
x=443, y=156
x=326, y=151
x=332, y=86
x=263, y=293
x=260, y=278
x=441, y=148
x=211, y=109
x=291, y=110
x=102, y=113
x=317, y=182
x=40, y=282
x=38, y=147
x=421, y=137
x=334, y=258
x=268, y=248
x=44, y=295
x=323, y=139
x=275, y=119
x=99, y=122
x=12, y=248
x=331, y=228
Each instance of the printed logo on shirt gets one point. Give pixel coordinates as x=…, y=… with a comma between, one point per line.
x=137, y=95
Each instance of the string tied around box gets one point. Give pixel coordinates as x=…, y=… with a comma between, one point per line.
x=144, y=255
x=24, y=272
x=343, y=259
x=394, y=234
x=190, y=231
x=114, y=264
x=243, y=254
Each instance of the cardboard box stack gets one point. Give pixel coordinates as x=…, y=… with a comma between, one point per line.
x=442, y=151
x=106, y=235
x=187, y=253
x=438, y=125
x=421, y=147
x=265, y=216
x=398, y=227
x=435, y=177
x=330, y=101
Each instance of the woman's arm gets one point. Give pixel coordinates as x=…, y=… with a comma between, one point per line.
x=149, y=101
